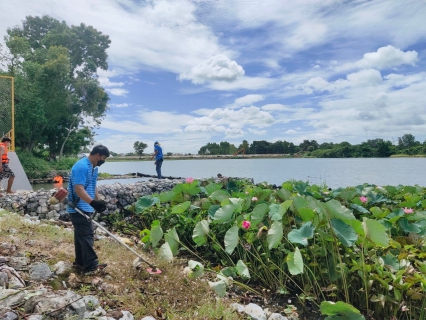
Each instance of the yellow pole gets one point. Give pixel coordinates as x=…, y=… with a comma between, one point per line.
x=12, y=130
x=13, y=114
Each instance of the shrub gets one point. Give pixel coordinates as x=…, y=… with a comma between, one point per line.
x=64, y=163
x=34, y=167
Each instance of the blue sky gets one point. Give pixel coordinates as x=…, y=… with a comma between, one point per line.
x=189, y=72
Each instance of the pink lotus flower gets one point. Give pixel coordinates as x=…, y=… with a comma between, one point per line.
x=246, y=224
x=254, y=199
x=408, y=210
x=189, y=180
x=363, y=199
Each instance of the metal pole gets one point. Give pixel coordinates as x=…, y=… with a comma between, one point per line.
x=13, y=114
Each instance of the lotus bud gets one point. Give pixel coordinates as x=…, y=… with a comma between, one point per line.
x=261, y=234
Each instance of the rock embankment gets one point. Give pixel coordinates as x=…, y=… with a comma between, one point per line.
x=117, y=196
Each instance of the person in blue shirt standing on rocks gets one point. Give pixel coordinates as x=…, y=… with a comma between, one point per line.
x=83, y=193
x=158, y=154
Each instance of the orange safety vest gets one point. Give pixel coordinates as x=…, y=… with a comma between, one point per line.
x=4, y=158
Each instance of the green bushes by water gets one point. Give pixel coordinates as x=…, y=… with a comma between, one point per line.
x=39, y=168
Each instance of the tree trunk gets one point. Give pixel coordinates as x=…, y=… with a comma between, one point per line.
x=67, y=137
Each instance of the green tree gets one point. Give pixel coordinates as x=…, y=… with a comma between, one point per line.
x=260, y=147
x=139, y=148
x=55, y=66
x=406, y=141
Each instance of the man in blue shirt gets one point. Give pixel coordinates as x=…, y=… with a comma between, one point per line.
x=158, y=154
x=84, y=194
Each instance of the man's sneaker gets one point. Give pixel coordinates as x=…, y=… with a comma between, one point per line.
x=101, y=267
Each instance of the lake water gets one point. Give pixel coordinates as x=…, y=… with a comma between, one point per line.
x=334, y=172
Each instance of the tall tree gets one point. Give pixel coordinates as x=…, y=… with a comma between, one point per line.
x=407, y=140
x=139, y=147
x=55, y=65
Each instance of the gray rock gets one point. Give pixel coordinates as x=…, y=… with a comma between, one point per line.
x=62, y=268
x=126, y=315
x=19, y=263
x=255, y=312
x=237, y=307
x=35, y=317
x=95, y=313
x=9, y=316
x=6, y=248
x=4, y=280
x=14, y=283
x=51, y=214
x=56, y=207
x=31, y=243
x=40, y=271
x=91, y=302
x=51, y=301
x=277, y=316
x=148, y=318
x=13, y=298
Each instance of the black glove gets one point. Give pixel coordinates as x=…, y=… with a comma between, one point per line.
x=99, y=206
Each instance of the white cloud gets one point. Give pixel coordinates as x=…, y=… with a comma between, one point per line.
x=275, y=107
x=248, y=83
x=119, y=105
x=148, y=122
x=244, y=116
x=258, y=132
x=248, y=99
x=117, y=92
x=106, y=83
x=231, y=122
x=291, y=131
x=216, y=68
x=363, y=78
x=383, y=58
x=155, y=35
x=316, y=84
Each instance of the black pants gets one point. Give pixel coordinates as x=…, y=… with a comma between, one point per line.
x=85, y=256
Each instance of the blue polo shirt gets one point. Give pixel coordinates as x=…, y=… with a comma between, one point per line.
x=82, y=173
x=159, y=153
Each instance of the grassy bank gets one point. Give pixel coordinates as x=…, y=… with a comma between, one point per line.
x=178, y=296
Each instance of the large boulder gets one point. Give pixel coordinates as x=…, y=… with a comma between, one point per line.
x=67, y=303
x=40, y=271
x=10, y=298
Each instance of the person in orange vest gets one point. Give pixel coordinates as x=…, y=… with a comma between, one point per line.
x=5, y=171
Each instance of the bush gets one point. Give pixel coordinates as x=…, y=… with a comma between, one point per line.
x=34, y=167
x=64, y=163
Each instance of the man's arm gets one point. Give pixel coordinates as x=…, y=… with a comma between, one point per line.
x=97, y=194
x=155, y=153
x=82, y=194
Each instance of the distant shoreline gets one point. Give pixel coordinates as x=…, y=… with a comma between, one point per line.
x=246, y=156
